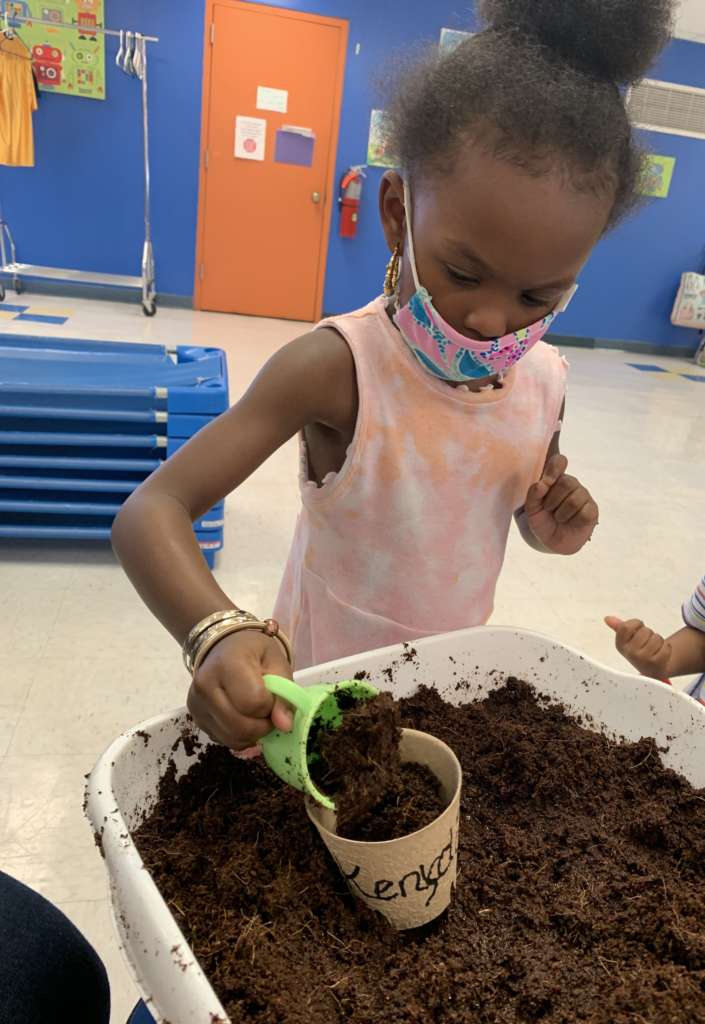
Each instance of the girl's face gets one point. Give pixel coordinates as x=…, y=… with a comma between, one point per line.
x=495, y=247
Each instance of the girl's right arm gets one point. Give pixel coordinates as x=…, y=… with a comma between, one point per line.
x=312, y=380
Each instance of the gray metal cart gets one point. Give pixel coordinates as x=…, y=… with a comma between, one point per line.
x=131, y=59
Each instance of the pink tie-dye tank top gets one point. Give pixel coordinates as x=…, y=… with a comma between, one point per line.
x=408, y=539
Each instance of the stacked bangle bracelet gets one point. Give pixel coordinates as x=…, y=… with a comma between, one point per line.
x=209, y=631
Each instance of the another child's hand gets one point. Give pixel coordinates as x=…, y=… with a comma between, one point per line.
x=560, y=511
x=228, y=698
x=648, y=652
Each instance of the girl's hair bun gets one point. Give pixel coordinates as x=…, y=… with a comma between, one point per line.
x=616, y=40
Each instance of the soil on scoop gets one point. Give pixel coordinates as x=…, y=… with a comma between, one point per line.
x=580, y=895
x=377, y=798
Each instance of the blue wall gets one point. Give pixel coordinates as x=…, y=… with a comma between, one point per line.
x=81, y=205
x=628, y=288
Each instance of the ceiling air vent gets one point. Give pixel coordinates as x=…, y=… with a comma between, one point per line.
x=669, y=108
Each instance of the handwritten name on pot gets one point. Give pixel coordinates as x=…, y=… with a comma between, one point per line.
x=419, y=879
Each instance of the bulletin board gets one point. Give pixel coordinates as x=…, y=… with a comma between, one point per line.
x=70, y=61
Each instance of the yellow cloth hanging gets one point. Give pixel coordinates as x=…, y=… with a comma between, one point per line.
x=18, y=101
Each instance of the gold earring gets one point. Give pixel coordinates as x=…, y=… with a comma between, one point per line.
x=391, y=278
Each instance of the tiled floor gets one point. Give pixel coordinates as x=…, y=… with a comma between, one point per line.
x=82, y=660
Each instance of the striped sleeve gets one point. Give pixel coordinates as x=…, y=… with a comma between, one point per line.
x=694, y=609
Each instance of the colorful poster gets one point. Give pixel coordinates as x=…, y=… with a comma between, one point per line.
x=378, y=154
x=658, y=175
x=67, y=60
x=452, y=37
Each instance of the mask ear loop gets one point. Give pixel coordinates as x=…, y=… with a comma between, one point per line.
x=566, y=299
x=412, y=253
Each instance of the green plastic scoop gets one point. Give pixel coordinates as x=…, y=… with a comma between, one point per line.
x=287, y=753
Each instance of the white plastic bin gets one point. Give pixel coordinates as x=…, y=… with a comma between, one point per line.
x=124, y=782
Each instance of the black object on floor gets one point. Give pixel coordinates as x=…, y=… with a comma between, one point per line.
x=48, y=971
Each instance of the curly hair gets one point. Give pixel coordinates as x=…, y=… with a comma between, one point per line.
x=540, y=87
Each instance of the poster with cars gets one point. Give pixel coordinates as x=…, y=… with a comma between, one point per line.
x=66, y=60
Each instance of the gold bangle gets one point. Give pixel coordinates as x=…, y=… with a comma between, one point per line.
x=210, y=620
x=203, y=628
x=272, y=629
x=269, y=628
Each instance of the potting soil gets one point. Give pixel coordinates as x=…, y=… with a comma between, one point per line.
x=377, y=798
x=580, y=898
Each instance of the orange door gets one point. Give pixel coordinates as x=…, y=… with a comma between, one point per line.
x=263, y=223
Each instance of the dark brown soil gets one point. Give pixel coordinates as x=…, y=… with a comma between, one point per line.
x=411, y=801
x=376, y=797
x=581, y=895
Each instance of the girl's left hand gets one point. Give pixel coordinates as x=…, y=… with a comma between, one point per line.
x=560, y=511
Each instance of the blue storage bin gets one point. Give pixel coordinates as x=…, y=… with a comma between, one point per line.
x=19, y=502
x=34, y=531
x=210, y=543
x=53, y=506
x=67, y=485
x=83, y=423
x=31, y=409
x=46, y=347
x=115, y=468
x=213, y=520
x=42, y=362
x=88, y=399
x=186, y=426
x=39, y=439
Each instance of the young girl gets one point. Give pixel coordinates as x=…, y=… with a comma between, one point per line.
x=431, y=417
x=682, y=654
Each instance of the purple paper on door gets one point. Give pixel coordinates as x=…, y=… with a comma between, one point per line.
x=294, y=146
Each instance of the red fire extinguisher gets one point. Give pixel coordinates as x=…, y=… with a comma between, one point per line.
x=349, y=200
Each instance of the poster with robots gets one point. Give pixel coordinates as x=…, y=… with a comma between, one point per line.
x=68, y=60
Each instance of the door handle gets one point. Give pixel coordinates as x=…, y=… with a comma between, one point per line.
x=316, y=197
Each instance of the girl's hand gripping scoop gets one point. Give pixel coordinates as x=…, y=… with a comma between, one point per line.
x=287, y=753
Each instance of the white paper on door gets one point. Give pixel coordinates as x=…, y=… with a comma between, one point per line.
x=250, y=138
x=272, y=99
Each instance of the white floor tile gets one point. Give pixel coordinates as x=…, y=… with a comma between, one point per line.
x=8, y=725
x=34, y=567
x=80, y=705
x=27, y=618
x=15, y=682
x=107, y=624
x=45, y=841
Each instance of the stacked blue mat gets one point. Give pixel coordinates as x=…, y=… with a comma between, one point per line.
x=83, y=423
